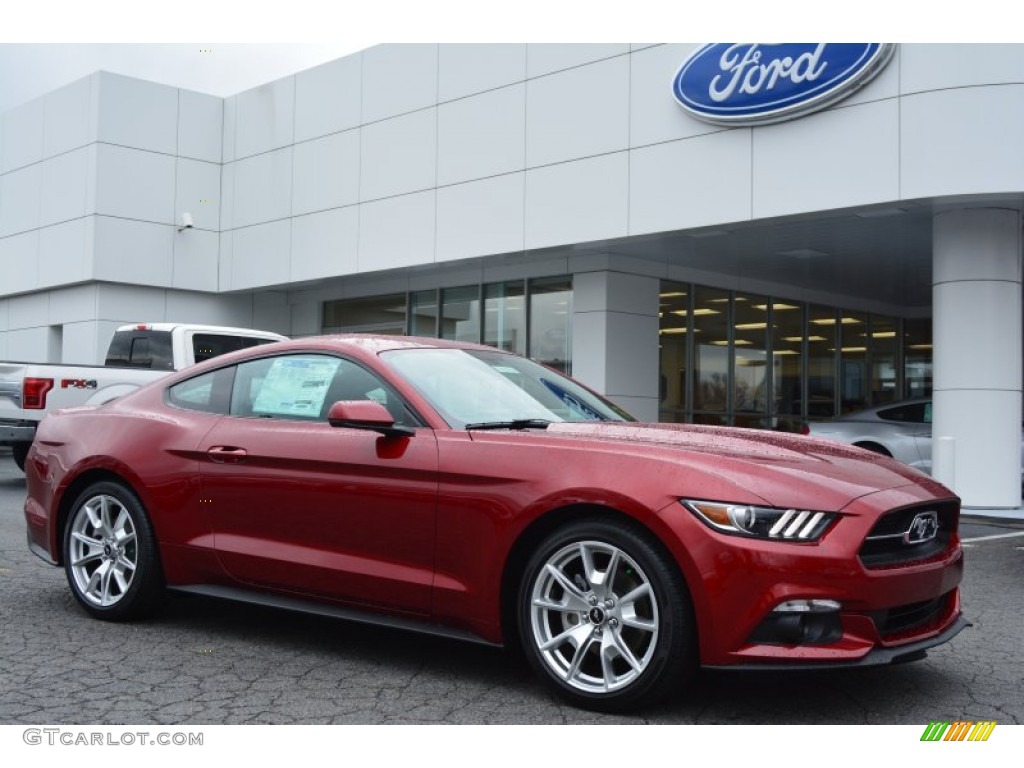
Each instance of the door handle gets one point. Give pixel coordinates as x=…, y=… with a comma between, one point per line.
x=226, y=454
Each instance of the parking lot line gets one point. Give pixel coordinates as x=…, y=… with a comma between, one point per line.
x=994, y=536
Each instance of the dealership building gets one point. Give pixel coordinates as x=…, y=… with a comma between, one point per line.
x=764, y=265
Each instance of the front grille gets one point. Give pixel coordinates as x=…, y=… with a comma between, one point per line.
x=904, y=619
x=887, y=544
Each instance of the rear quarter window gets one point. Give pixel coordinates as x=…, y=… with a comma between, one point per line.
x=210, y=392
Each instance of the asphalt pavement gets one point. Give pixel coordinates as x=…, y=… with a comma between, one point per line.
x=204, y=661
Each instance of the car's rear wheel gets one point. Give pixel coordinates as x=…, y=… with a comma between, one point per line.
x=605, y=617
x=110, y=554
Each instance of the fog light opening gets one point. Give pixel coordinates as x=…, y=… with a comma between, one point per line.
x=800, y=622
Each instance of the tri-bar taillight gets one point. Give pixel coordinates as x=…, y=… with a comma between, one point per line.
x=33, y=393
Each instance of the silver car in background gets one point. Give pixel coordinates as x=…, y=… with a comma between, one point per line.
x=902, y=430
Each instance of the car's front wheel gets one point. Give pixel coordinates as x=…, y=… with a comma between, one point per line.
x=605, y=617
x=110, y=554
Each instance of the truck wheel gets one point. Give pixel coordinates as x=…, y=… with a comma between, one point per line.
x=20, y=451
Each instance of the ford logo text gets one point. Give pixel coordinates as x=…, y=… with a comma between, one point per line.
x=759, y=83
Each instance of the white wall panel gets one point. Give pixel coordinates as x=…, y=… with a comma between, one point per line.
x=575, y=202
x=655, y=116
x=20, y=199
x=138, y=114
x=399, y=155
x=4, y=314
x=690, y=183
x=127, y=251
x=480, y=217
x=835, y=159
x=190, y=307
x=68, y=119
x=28, y=345
x=328, y=98
x=305, y=319
x=81, y=343
x=29, y=311
x=65, y=180
x=69, y=305
x=262, y=188
x=131, y=304
x=265, y=118
x=19, y=263
x=23, y=136
x=195, y=260
x=398, y=79
x=577, y=113
x=325, y=244
x=134, y=184
x=66, y=251
x=200, y=126
x=261, y=255
x=397, y=232
x=934, y=66
x=543, y=58
x=225, y=261
x=326, y=173
x=465, y=69
x=481, y=135
x=962, y=142
x=197, y=191
x=270, y=312
x=230, y=124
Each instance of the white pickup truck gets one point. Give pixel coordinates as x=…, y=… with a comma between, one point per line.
x=138, y=354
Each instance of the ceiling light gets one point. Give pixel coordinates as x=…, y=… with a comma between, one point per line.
x=750, y=326
x=671, y=294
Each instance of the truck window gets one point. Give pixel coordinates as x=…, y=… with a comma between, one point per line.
x=141, y=349
x=207, y=345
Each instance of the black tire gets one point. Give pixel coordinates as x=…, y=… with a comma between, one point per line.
x=20, y=451
x=635, y=651
x=110, y=555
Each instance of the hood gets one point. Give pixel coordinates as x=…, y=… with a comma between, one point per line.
x=784, y=469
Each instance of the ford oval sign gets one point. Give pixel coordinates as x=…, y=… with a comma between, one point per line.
x=758, y=83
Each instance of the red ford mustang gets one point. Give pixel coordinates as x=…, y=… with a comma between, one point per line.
x=460, y=490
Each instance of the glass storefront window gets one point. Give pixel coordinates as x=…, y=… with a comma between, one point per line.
x=710, y=355
x=673, y=327
x=821, y=362
x=551, y=322
x=788, y=336
x=423, y=314
x=853, y=361
x=460, y=314
x=376, y=314
x=505, y=316
x=884, y=359
x=750, y=361
x=917, y=357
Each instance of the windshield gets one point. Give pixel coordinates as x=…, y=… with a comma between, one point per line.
x=477, y=387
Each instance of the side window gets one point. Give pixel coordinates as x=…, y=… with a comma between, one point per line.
x=207, y=345
x=303, y=387
x=208, y=393
x=927, y=417
x=915, y=413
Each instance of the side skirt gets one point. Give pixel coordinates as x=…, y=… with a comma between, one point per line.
x=332, y=611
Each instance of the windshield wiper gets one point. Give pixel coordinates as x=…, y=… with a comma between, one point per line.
x=513, y=424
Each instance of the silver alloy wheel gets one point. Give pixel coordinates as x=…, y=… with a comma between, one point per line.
x=594, y=616
x=103, y=551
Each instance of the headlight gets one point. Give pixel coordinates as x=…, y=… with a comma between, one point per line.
x=762, y=522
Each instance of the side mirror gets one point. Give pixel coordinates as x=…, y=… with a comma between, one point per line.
x=365, y=414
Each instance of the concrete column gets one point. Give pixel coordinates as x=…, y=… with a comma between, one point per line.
x=615, y=338
x=976, y=304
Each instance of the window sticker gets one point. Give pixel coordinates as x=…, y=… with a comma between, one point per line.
x=296, y=386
